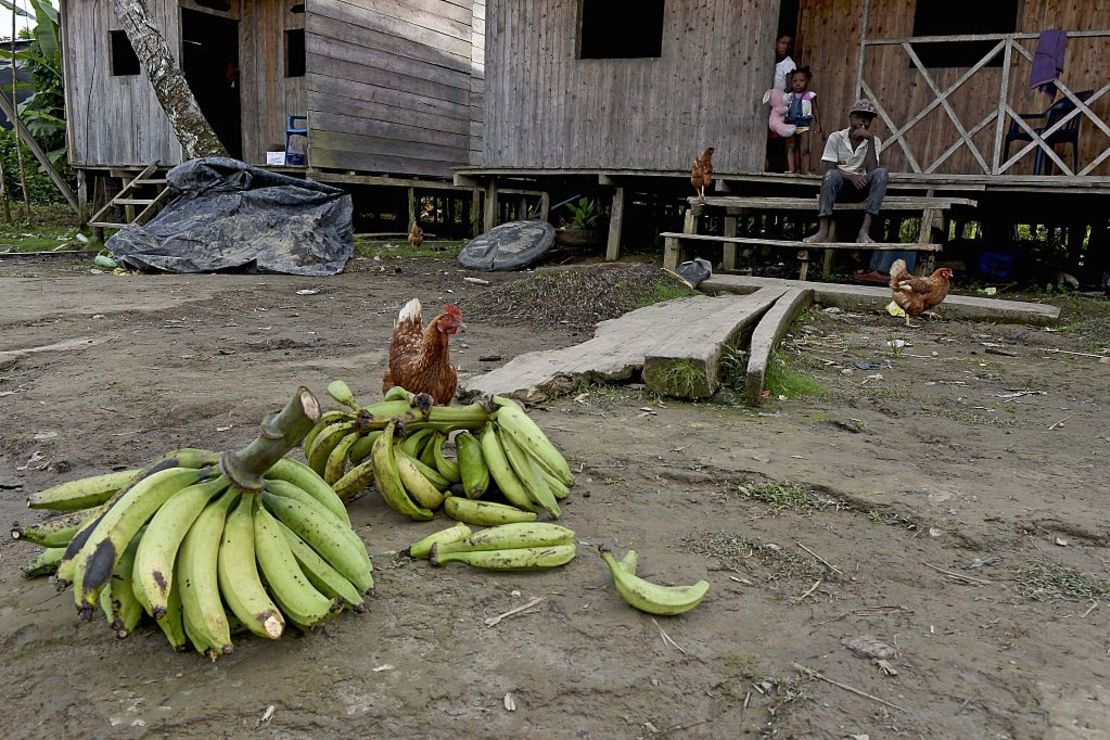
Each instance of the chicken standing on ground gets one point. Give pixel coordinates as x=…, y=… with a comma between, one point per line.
x=701, y=174
x=419, y=360
x=916, y=295
x=416, y=234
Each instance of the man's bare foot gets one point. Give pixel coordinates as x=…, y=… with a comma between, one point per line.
x=864, y=238
x=820, y=237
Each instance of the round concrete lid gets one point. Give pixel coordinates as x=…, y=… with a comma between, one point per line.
x=511, y=246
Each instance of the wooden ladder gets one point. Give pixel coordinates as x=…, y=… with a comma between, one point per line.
x=126, y=202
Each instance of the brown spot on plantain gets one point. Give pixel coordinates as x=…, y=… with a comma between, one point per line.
x=160, y=581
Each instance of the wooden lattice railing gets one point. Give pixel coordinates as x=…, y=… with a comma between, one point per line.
x=992, y=163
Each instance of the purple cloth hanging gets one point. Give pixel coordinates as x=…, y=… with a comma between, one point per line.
x=1048, y=60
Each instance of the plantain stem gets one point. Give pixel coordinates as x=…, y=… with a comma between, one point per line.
x=281, y=432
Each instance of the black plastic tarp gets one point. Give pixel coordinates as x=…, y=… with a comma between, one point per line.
x=227, y=215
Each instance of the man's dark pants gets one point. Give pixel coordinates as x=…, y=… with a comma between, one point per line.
x=836, y=187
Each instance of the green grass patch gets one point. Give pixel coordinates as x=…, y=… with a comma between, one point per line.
x=662, y=292
x=682, y=378
x=50, y=227
x=885, y=393
x=734, y=368
x=780, y=495
x=402, y=248
x=783, y=379
x=1087, y=319
x=1046, y=582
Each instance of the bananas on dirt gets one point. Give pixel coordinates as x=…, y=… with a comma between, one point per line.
x=339, y=445
x=401, y=444
x=647, y=596
x=207, y=544
x=514, y=546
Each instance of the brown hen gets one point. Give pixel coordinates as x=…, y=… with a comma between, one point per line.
x=916, y=295
x=419, y=360
x=416, y=234
x=701, y=174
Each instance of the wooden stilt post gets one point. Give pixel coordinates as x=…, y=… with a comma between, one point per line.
x=728, y=260
x=690, y=222
x=491, y=205
x=83, y=211
x=128, y=209
x=672, y=253
x=930, y=218
x=475, y=212
x=545, y=205
x=616, y=218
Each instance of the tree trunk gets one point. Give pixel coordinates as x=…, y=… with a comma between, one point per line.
x=189, y=124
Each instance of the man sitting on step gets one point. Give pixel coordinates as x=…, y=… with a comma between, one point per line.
x=852, y=172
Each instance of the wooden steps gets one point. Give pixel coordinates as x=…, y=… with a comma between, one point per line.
x=121, y=209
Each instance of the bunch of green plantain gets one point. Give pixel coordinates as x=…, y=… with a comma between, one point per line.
x=343, y=438
x=647, y=596
x=208, y=544
x=415, y=476
x=516, y=546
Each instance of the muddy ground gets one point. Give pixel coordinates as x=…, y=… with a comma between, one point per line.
x=901, y=475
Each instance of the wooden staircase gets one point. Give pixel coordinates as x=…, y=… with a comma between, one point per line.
x=121, y=210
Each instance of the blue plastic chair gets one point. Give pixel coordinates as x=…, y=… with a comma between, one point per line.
x=291, y=130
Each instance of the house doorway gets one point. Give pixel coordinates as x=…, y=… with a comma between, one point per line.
x=210, y=60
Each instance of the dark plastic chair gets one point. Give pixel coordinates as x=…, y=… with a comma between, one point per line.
x=1066, y=134
x=291, y=130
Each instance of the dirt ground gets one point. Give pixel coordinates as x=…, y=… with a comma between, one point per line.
x=944, y=499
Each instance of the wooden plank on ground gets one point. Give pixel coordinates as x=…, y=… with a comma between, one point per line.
x=866, y=297
x=767, y=335
x=616, y=353
x=689, y=364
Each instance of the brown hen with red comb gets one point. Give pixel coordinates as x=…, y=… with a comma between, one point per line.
x=419, y=359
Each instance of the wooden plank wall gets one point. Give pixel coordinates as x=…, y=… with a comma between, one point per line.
x=390, y=84
x=828, y=41
x=267, y=96
x=117, y=121
x=547, y=108
x=113, y=121
x=477, y=80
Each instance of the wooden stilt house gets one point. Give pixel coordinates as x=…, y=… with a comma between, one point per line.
x=386, y=87
x=581, y=96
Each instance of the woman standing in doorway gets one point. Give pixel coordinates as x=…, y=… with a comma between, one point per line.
x=784, y=65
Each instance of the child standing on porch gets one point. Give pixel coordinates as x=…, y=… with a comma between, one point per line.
x=801, y=111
